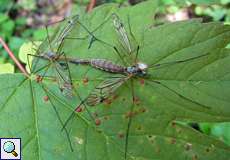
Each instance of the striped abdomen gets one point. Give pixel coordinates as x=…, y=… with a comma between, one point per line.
x=101, y=64
x=106, y=65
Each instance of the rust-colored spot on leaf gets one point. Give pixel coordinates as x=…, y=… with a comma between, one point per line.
x=97, y=122
x=38, y=78
x=107, y=101
x=142, y=81
x=78, y=109
x=85, y=81
x=45, y=98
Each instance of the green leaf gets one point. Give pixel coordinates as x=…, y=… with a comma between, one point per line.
x=28, y=48
x=15, y=43
x=197, y=2
x=39, y=34
x=7, y=28
x=3, y=17
x=197, y=90
x=6, y=68
x=204, y=2
x=225, y=2
x=5, y=5
x=21, y=21
x=220, y=130
x=28, y=5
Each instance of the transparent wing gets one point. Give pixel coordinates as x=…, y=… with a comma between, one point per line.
x=51, y=46
x=64, y=80
x=64, y=32
x=104, y=90
x=123, y=36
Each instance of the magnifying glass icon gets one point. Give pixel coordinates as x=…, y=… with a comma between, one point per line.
x=9, y=147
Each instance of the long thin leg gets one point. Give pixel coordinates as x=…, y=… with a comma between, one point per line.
x=137, y=53
x=58, y=116
x=49, y=41
x=78, y=95
x=161, y=65
x=74, y=112
x=46, y=66
x=178, y=94
x=94, y=38
x=129, y=119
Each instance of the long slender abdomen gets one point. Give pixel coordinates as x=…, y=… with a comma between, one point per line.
x=106, y=65
x=101, y=64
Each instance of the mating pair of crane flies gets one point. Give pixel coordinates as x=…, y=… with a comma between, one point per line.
x=108, y=86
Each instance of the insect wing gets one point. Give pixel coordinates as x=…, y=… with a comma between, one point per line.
x=123, y=36
x=104, y=90
x=65, y=31
x=64, y=80
x=51, y=45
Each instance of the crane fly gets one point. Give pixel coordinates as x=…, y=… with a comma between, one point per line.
x=52, y=53
x=138, y=69
x=128, y=71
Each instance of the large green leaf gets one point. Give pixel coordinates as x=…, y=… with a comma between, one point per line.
x=197, y=90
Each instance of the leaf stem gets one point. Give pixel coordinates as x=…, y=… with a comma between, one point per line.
x=91, y=5
x=10, y=53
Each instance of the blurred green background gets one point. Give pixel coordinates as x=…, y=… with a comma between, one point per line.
x=24, y=20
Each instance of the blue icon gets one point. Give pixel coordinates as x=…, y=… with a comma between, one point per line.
x=9, y=147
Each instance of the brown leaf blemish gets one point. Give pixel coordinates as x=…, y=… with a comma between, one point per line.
x=45, y=98
x=78, y=109
x=107, y=101
x=85, y=81
x=97, y=122
x=142, y=81
x=38, y=78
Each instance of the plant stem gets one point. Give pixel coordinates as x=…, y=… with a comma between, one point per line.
x=21, y=68
x=91, y=5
